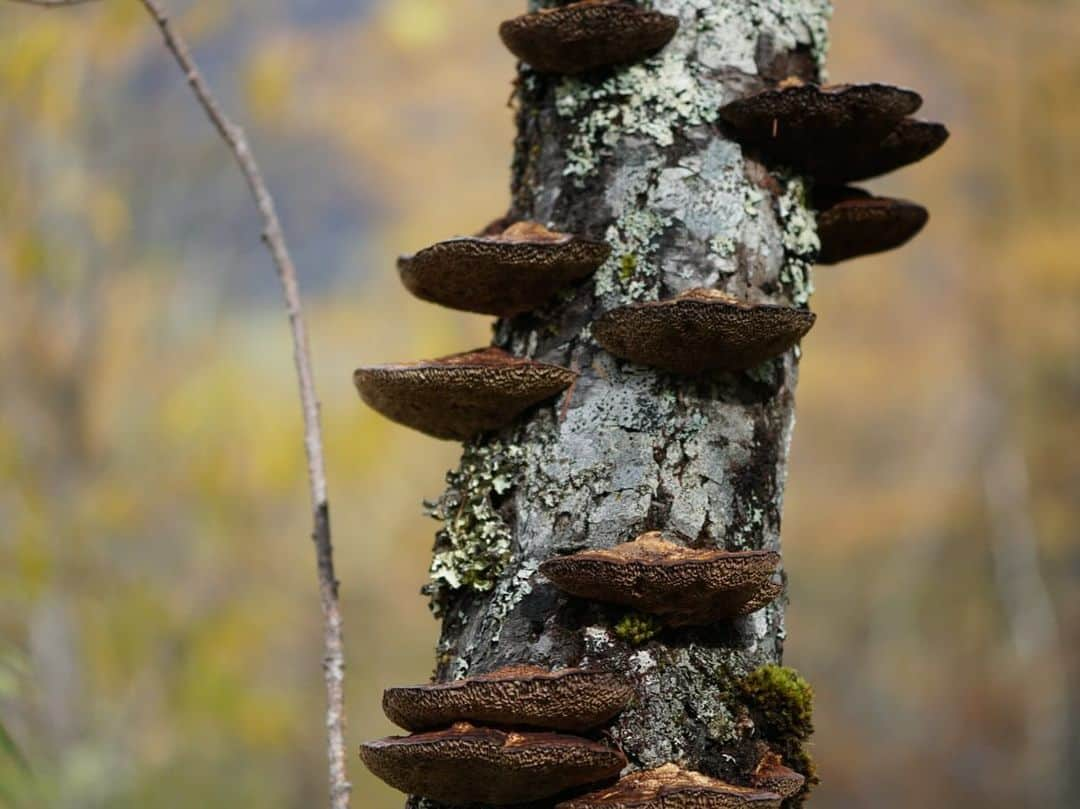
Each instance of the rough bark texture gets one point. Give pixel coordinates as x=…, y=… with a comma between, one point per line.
x=634, y=157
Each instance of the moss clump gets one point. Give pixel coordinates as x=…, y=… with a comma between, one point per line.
x=782, y=699
x=781, y=702
x=637, y=629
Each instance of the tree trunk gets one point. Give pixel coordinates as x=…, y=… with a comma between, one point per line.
x=635, y=157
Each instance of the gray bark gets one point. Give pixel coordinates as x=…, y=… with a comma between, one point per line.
x=635, y=157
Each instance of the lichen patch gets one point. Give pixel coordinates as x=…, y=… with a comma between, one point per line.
x=474, y=545
x=800, y=239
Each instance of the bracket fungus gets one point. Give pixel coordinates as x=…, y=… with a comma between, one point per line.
x=571, y=700
x=835, y=134
x=502, y=273
x=911, y=141
x=853, y=223
x=586, y=35
x=671, y=787
x=466, y=764
x=458, y=396
x=772, y=775
x=682, y=586
x=701, y=330
x=792, y=117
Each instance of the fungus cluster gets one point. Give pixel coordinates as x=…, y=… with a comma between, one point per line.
x=513, y=757
x=835, y=135
x=467, y=764
x=523, y=733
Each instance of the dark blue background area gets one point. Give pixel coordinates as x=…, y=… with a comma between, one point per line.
x=197, y=206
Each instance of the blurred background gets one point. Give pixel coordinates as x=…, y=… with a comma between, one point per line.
x=159, y=626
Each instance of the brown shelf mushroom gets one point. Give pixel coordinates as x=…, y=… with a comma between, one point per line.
x=458, y=396
x=573, y=700
x=466, y=764
x=586, y=35
x=701, y=330
x=911, y=141
x=853, y=223
x=794, y=117
x=769, y=592
x=772, y=775
x=670, y=787
x=682, y=586
x=835, y=134
x=502, y=273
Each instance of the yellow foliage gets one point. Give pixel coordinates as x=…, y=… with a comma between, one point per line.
x=414, y=25
x=268, y=80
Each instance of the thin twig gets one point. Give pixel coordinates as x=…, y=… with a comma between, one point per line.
x=274, y=239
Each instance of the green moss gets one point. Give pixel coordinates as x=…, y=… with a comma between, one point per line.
x=637, y=629
x=783, y=700
x=781, y=703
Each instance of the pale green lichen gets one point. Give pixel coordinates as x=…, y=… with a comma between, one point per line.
x=724, y=246
x=653, y=99
x=474, y=545
x=634, y=238
x=819, y=31
x=798, y=22
x=509, y=594
x=800, y=240
x=752, y=199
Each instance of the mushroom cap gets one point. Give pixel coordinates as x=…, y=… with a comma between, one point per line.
x=517, y=269
x=682, y=586
x=852, y=223
x=911, y=141
x=586, y=35
x=701, y=330
x=766, y=595
x=772, y=775
x=670, y=787
x=466, y=764
x=573, y=700
x=458, y=396
x=793, y=119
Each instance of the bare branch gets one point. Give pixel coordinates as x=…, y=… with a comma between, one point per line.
x=274, y=239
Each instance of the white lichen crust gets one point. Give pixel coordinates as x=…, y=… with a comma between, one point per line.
x=633, y=156
x=473, y=546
